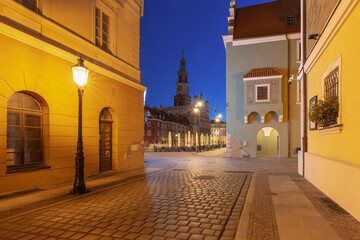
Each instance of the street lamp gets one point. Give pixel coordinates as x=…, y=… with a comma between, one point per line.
x=198, y=105
x=218, y=117
x=80, y=74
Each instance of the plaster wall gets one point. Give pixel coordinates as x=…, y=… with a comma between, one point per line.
x=239, y=61
x=332, y=162
x=25, y=68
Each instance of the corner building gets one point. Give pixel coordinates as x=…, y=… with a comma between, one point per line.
x=39, y=42
x=330, y=157
x=262, y=93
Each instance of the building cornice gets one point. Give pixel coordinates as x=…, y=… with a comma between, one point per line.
x=343, y=10
x=263, y=78
x=249, y=41
x=30, y=37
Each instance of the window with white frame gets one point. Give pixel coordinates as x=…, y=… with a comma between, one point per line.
x=149, y=124
x=331, y=83
x=148, y=133
x=262, y=92
x=298, y=51
x=103, y=27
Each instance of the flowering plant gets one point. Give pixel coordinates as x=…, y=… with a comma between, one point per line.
x=325, y=112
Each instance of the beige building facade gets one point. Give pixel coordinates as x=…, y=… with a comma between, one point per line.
x=39, y=42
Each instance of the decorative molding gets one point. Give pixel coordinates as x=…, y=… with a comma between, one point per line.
x=331, y=130
x=249, y=41
x=227, y=39
x=67, y=54
x=245, y=119
x=294, y=36
x=262, y=119
x=340, y=15
x=281, y=117
x=263, y=78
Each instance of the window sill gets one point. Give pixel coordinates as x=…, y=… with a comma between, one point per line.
x=331, y=130
x=26, y=168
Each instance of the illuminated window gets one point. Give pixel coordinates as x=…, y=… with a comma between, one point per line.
x=24, y=131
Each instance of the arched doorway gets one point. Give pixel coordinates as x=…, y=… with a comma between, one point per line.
x=105, y=151
x=267, y=142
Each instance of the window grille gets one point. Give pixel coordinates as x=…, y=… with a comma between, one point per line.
x=291, y=20
x=331, y=84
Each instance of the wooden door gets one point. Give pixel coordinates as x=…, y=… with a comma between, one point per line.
x=105, y=150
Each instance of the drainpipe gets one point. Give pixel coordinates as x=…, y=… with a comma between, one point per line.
x=288, y=91
x=304, y=82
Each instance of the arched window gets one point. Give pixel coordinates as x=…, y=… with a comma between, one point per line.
x=24, y=130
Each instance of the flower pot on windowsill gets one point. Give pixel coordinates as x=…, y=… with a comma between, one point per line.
x=328, y=120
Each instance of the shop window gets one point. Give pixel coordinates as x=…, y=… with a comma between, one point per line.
x=24, y=131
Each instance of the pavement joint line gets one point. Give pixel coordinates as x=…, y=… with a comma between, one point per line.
x=87, y=194
x=242, y=229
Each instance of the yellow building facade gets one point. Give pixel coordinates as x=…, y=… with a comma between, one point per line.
x=39, y=42
x=332, y=161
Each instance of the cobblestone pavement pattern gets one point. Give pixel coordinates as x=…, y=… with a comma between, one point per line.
x=178, y=204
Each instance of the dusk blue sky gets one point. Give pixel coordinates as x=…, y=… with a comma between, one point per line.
x=198, y=25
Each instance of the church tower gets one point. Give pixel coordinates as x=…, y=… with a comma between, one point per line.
x=182, y=86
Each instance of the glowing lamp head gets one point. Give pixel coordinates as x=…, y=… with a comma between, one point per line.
x=217, y=120
x=80, y=73
x=219, y=115
x=199, y=104
x=196, y=110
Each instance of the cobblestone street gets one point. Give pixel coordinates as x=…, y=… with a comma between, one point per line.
x=195, y=196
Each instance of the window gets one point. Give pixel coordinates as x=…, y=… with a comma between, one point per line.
x=148, y=133
x=30, y=4
x=331, y=87
x=149, y=124
x=331, y=84
x=24, y=131
x=262, y=92
x=298, y=51
x=102, y=29
x=158, y=133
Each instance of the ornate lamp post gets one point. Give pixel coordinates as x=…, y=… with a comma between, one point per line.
x=80, y=74
x=197, y=108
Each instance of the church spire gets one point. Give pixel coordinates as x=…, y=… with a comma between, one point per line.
x=182, y=61
x=182, y=57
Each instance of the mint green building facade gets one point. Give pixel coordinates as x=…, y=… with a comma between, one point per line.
x=262, y=93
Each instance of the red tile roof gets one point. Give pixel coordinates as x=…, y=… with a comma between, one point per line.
x=263, y=72
x=266, y=19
